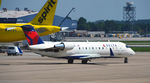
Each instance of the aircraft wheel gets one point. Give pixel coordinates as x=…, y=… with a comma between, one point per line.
x=70, y=61
x=42, y=55
x=8, y=54
x=125, y=60
x=84, y=61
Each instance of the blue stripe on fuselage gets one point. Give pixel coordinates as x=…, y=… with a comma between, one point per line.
x=111, y=52
x=76, y=57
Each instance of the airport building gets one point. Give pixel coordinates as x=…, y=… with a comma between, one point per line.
x=123, y=34
x=84, y=33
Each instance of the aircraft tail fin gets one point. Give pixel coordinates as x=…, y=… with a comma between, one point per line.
x=46, y=14
x=31, y=35
x=0, y=3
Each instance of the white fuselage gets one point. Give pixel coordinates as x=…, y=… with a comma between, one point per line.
x=80, y=50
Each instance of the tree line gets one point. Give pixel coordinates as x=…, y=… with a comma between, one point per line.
x=141, y=26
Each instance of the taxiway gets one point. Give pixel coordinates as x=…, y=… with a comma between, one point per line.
x=32, y=68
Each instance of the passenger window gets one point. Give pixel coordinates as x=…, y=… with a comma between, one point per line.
x=102, y=47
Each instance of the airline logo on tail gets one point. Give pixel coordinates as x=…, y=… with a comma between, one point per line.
x=46, y=14
x=31, y=35
x=47, y=10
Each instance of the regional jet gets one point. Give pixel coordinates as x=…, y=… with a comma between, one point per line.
x=84, y=51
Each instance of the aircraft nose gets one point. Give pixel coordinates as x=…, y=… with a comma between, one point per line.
x=131, y=52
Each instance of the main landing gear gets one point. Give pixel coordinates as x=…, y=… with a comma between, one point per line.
x=84, y=61
x=70, y=61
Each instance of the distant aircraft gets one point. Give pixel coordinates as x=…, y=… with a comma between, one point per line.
x=42, y=22
x=84, y=51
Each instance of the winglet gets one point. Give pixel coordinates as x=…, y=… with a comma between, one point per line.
x=31, y=35
x=46, y=14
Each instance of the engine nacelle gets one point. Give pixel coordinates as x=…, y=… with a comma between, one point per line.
x=69, y=46
x=60, y=46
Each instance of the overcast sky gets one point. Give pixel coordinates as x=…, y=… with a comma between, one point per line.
x=92, y=10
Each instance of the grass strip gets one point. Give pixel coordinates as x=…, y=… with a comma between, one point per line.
x=141, y=49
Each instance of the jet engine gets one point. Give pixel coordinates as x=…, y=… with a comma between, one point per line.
x=60, y=46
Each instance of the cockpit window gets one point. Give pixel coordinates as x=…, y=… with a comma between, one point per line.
x=127, y=46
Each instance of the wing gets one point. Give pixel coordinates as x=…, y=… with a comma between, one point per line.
x=84, y=56
x=90, y=56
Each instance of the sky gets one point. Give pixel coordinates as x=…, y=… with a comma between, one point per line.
x=92, y=10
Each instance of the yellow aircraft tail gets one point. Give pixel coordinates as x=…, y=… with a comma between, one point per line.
x=0, y=3
x=46, y=14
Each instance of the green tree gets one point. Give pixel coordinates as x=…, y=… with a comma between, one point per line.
x=141, y=26
x=82, y=24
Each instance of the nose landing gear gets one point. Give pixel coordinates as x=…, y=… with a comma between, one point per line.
x=125, y=60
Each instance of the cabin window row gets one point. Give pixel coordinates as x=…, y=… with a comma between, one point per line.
x=91, y=48
x=96, y=48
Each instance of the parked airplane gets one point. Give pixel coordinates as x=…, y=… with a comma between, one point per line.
x=42, y=23
x=76, y=50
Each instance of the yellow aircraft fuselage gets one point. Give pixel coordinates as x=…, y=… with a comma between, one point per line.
x=12, y=32
x=42, y=23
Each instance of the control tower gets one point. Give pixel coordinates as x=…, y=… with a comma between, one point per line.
x=129, y=15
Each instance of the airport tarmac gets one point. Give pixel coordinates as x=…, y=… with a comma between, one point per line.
x=32, y=68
